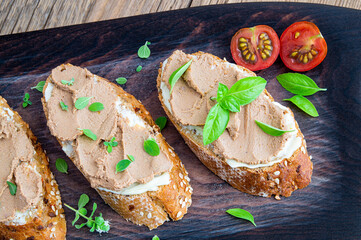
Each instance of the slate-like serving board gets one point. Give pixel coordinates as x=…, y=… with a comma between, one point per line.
x=329, y=208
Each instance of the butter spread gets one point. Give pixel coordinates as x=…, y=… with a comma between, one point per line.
x=116, y=120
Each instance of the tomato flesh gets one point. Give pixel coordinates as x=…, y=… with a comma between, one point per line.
x=255, y=48
x=302, y=46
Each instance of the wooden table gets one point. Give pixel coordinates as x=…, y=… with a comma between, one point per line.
x=28, y=15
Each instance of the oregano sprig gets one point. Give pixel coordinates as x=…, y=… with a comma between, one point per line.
x=124, y=164
x=12, y=187
x=161, y=122
x=63, y=106
x=82, y=102
x=89, y=133
x=39, y=86
x=151, y=147
x=61, y=165
x=112, y=143
x=26, y=100
x=144, y=51
x=69, y=83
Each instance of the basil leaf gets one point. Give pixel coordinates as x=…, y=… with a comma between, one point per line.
x=155, y=237
x=121, y=80
x=222, y=91
x=297, y=83
x=96, y=107
x=82, y=102
x=89, y=134
x=39, y=86
x=273, y=131
x=12, y=188
x=63, y=106
x=243, y=92
x=122, y=165
x=161, y=122
x=216, y=123
x=151, y=147
x=139, y=68
x=144, y=51
x=177, y=74
x=61, y=165
x=83, y=200
x=131, y=158
x=304, y=104
x=240, y=213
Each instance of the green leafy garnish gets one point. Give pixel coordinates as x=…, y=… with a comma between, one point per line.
x=97, y=224
x=82, y=102
x=139, y=68
x=155, y=237
x=26, y=100
x=161, y=122
x=177, y=74
x=151, y=147
x=240, y=213
x=144, y=51
x=39, y=86
x=124, y=164
x=216, y=122
x=12, y=188
x=89, y=133
x=63, y=106
x=299, y=84
x=61, y=165
x=121, y=80
x=273, y=131
x=304, y=104
x=69, y=83
x=111, y=144
x=96, y=107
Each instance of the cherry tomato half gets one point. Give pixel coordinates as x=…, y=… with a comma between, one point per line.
x=302, y=46
x=255, y=48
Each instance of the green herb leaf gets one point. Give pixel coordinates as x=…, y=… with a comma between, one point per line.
x=304, y=104
x=26, y=100
x=82, y=102
x=121, y=80
x=111, y=144
x=270, y=129
x=130, y=157
x=69, y=83
x=83, y=211
x=83, y=201
x=151, y=147
x=240, y=213
x=96, y=107
x=12, y=187
x=221, y=92
x=297, y=83
x=139, y=68
x=155, y=237
x=61, y=165
x=94, y=208
x=79, y=226
x=216, y=122
x=144, y=51
x=89, y=134
x=243, y=92
x=63, y=106
x=39, y=86
x=122, y=165
x=161, y=122
x=75, y=219
x=177, y=74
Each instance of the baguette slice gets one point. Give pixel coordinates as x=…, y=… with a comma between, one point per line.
x=281, y=178
x=151, y=208
x=45, y=220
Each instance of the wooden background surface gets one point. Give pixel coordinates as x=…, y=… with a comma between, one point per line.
x=27, y=15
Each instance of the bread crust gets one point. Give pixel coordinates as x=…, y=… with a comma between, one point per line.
x=152, y=208
x=48, y=221
x=280, y=179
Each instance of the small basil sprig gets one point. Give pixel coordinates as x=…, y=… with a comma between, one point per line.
x=26, y=100
x=12, y=188
x=89, y=133
x=121, y=80
x=61, y=165
x=304, y=104
x=161, y=122
x=139, y=68
x=69, y=83
x=151, y=147
x=144, y=51
x=63, y=106
x=39, y=86
x=299, y=84
x=273, y=131
x=124, y=164
x=97, y=224
x=82, y=102
x=96, y=107
x=241, y=213
x=177, y=74
x=112, y=143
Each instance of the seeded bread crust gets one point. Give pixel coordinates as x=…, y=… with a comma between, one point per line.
x=152, y=208
x=47, y=220
x=280, y=179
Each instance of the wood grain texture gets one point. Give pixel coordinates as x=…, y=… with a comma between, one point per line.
x=28, y=15
x=329, y=208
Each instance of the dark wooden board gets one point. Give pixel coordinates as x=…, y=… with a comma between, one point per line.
x=329, y=208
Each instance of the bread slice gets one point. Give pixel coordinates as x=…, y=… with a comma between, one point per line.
x=45, y=220
x=151, y=208
x=281, y=178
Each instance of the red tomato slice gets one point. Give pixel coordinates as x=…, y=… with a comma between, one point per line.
x=255, y=48
x=302, y=46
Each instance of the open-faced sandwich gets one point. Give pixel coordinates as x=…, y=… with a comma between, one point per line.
x=30, y=203
x=244, y=155
x=112, y=139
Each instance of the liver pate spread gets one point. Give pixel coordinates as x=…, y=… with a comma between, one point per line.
x=190, y=102
x=115, y=120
